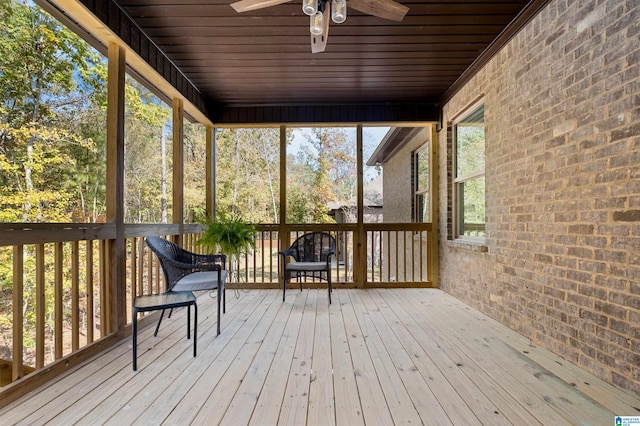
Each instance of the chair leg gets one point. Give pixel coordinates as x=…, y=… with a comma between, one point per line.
x=329, y=285
x=195, y=328
x=135, y=339
x=218, y=312
x=159, y=321
x=189, y=322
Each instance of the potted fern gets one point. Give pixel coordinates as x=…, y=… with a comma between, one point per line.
x=230, y=234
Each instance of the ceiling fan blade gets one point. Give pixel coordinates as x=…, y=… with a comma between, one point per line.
x=247, y=5
x=319, y=42
x=386, y=9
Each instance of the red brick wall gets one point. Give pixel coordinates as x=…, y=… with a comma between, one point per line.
x=562, y=116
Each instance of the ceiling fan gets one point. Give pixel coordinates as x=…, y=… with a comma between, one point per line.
x=320, y=10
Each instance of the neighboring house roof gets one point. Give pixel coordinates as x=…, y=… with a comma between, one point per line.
x=393, y=141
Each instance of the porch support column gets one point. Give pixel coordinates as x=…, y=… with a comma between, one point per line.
x=359, y=239
x=211, y=172
x=178, y=168
x=434, y=248
x=283, y=232
x=115, y=316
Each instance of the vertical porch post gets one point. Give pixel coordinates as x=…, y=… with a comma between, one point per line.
x=434, y=248
x=283, y=232
x=178, y=168
x=360, y=239
x=115, y=314
x=211, y=172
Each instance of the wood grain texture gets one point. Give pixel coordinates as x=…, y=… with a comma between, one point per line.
x=376, y=356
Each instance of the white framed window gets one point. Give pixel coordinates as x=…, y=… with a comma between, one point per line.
x=421, y=185
x=468, y=177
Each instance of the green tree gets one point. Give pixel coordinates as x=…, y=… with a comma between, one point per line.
x=323, y=171
x=42, y=94
x=248, y=177
x=148, y=159
x=51, y=137
x=195, y=173
x=470, y=139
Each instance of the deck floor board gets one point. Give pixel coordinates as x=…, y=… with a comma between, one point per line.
x=377, y=356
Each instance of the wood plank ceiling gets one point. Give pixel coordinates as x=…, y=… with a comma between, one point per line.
x=263, y=57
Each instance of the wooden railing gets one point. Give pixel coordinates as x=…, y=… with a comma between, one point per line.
x=396, y=254
x=61, y=303
x=64, y=309
x=58, y=276
x=399, y=253
x=260, y=268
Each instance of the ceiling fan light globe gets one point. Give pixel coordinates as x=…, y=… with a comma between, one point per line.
x=316, y=24
x=310, y=7
x=339, y=11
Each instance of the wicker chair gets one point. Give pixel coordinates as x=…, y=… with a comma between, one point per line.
x=311, y=255
x=187, y=271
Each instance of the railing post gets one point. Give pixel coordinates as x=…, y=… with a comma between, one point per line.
x=58, y=299
x=40, y=306
x=18, y=319
x=75, y=295
x=89, y=290
x=105, y=312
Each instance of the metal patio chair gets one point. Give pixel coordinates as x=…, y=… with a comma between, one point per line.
x=187, y=271
x=310, y=257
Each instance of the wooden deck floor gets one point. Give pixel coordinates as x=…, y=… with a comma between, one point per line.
x=376, y=357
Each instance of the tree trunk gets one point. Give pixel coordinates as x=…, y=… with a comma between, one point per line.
x=28, y=170
x=28, y=181
x=236, y=165
x=270, y=178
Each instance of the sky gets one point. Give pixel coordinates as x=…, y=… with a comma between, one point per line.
x=371, y=139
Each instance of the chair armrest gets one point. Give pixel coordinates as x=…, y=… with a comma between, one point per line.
x=193, y=267
x=206, y=259
x=206, y=266
x=285, y=253
x=209, y=258
x=331, y=253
